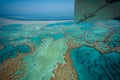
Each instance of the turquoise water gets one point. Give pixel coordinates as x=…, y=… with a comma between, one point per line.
x=98, y=58
x=11, y=27
x=36, y=40
x=11, y=51
x=57, y=24
x=90, y=64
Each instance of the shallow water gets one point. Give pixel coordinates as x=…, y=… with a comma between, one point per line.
x=33, y=51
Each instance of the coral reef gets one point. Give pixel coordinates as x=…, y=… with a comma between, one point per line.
x=9, y=68
x=59, y=50
x=14, y=68
x=66, y=71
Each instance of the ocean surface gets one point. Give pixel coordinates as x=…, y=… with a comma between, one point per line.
x=32, y=48
x=36, y=17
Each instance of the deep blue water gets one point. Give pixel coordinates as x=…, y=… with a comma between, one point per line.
x=36, y=17
x=90, y=64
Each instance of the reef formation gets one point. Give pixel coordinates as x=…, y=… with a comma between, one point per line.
x=56, y=50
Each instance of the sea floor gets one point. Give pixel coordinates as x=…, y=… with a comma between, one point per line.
x=59, y=50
